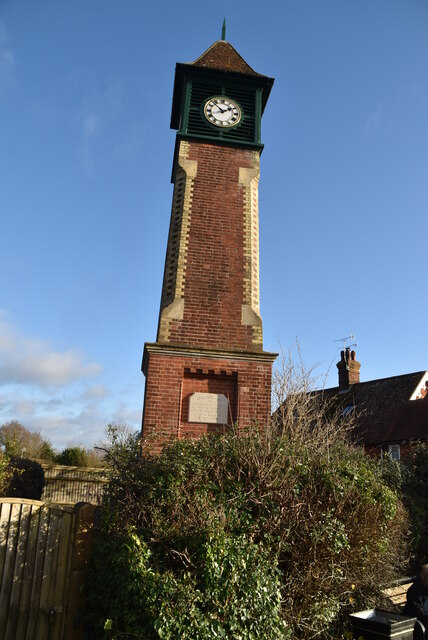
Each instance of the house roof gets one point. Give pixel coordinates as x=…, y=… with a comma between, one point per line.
x=383, y=409
x=411, y=423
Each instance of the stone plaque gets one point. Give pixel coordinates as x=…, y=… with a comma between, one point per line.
x=208, y=407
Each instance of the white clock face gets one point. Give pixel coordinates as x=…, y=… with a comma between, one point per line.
x=222, y=112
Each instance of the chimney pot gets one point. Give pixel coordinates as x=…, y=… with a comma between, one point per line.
x=348, y=369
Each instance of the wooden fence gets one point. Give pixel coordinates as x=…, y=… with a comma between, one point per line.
x=69, y=485
x=44, y=554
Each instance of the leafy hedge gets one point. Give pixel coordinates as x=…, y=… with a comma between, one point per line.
x=248, y=535
x=409, y=479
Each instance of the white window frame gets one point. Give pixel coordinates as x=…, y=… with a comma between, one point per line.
x=394, y=452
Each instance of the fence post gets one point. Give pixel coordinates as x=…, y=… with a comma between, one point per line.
x=86, y=530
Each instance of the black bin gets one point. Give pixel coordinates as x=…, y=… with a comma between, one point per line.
x=375, y=624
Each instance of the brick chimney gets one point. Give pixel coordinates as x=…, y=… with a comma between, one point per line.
x=349, y=369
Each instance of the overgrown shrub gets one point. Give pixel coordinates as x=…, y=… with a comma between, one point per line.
x=250, y=535
x=415, y=498
x=27, y=481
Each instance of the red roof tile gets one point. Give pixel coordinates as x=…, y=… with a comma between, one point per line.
x=383, y=409
x=222, y=56
x=411, y=423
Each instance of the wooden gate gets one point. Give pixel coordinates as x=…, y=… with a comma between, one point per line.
x=40, y=554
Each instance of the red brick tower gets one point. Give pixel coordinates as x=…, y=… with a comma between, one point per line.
x=207, y=368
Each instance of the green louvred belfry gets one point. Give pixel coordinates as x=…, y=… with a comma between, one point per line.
x=220, y=74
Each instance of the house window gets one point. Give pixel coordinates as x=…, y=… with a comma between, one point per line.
x=394, y=451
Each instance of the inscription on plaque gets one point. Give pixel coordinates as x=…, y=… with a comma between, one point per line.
x=208, y=407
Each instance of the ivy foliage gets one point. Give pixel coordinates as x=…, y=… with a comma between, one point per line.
x=236, y=591
x=5, y=474
x=408, y=477
x=247, y=535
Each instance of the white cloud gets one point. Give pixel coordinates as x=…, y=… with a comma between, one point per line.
x=66, y=419
x=69, y=416
x=7, y=58
x=96, y=391
x=7, y=62
x=124, y=415
x=90, y=125
x=106, y=128
x=132, y=140
x=101, y=123
x=62, y=418
x=374, y=120
x=32, y=361
x=25, y=407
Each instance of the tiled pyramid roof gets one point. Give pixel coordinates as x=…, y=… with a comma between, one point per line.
x=223, y=57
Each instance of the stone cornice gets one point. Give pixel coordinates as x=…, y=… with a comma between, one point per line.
x=196, y=352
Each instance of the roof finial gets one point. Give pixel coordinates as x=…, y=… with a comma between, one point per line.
x=223, y=30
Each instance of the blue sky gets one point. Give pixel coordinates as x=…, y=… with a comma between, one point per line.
x=85, y=193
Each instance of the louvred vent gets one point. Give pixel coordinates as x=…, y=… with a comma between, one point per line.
x=197, y=123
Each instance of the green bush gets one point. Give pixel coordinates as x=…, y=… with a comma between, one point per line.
x=47, y=452
x=248, y=535
x=73, y=457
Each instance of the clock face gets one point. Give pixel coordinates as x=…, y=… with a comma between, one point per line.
x=222, y=112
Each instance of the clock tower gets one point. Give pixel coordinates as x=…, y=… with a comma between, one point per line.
x=207, y=368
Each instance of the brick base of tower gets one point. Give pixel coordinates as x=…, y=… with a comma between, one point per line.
x=173, y=374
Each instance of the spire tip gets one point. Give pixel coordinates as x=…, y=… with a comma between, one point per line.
x=223, y=30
